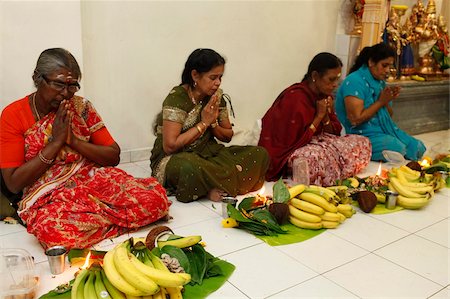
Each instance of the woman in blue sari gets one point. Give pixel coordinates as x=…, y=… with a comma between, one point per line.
x=364, y=105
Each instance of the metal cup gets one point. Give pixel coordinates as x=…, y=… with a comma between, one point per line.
x=56, y=256
x=391, y=200
x=225, y=202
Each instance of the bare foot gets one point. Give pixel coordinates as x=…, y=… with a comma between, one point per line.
x=216, y=194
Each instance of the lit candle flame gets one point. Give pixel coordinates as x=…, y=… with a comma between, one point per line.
x=86, y=262
x=424, y=163
x=261, y=191
x=379, y=170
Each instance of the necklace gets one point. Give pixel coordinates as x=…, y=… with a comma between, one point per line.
x=34, y=106
x=191, y=95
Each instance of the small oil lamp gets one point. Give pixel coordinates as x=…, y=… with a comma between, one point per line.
x=425, y=163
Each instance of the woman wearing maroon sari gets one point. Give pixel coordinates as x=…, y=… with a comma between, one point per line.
x=56, y=149
x=302, y=125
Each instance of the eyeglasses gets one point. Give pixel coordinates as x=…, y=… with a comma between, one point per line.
x=59, y=86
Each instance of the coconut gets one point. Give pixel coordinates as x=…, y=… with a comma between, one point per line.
x=367, y=200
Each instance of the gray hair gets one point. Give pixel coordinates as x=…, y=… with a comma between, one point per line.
x=52, y=60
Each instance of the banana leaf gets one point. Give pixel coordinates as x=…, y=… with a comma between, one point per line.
x=61, y=292
x=293, y=235
x=280, y=192
x=179, y=254
x=210, y=284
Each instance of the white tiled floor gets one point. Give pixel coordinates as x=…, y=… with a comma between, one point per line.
x=398, y=255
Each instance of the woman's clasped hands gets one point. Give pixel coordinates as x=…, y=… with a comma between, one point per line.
x=211, y=111
x=61, y=128
x=389, y=93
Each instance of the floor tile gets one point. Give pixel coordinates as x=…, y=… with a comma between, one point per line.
x=145, y=164
x=438, y=233
x=317, y=287
x=6, y=229
x=219, y=241
x=135, y=170
x=367, y=232
x=440, y=203
x=421, y=256
x=188, y=213
x=323, y=252
x=227, y=291
x=442, y=294
x=410, y=220
x=25, y=241
x=262, y=270
x=382, y=279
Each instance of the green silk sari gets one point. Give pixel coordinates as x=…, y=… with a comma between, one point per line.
x=204, y=164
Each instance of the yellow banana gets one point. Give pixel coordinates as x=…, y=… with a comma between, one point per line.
x=159, y=264
x=380, y=197
x=319, y=201
x=181, y=242
x=348, y=213
x=354, y=182
x=133, y=297
x=174, y=293
x=161, y=277
x=112, y=290
x=131, y=274
x=402, y=189
x=337, y=189
x=329, y=195
x=116, y=278
x=100, y=288
x=412, y=203
x=304, y=224
x=402, y=178
x=344, y=207
x=77, y=291
x=160, y=295
x=330, y=224
x=328, y=216
x=304, y=216
x=89, y=288
x=147, y=297
x=408, y=171
x=307, y=206
x=342, y=217
x=296, y=190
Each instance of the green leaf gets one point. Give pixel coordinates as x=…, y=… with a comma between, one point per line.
x=280, y=192
x=236, y=215
x=179, y=254
x=267, y=219
x=251, y=203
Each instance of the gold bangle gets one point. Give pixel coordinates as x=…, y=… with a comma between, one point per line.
x=199, y=129
x=327, y=122
x=44, y=159
x=204, y=124
x=313, y=128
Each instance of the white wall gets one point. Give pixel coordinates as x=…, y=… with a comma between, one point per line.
x=132, y=53
x=28, y=28
x=135, y=51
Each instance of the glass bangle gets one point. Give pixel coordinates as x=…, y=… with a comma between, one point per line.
x=44, y=159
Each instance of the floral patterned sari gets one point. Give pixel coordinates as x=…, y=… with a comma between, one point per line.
x=76, y=203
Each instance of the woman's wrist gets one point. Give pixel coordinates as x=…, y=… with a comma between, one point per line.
x=214, y=124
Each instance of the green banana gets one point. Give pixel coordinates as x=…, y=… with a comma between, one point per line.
x=181, y=242
x=112, y=290
x=100, y=288
x=77, y=291
x=131, y=274
x=89, y=288
x=116, y=278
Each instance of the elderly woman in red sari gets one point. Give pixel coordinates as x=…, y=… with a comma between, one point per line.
x=57, y=150
x=302, y=125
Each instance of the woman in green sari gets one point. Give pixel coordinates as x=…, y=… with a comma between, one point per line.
x=186, y=157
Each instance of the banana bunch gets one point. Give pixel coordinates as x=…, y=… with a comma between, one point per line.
x=144, y=277
x=415, y=190
x=318, y=207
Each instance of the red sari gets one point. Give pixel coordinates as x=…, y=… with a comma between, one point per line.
x=76, y=203
x=286, y=134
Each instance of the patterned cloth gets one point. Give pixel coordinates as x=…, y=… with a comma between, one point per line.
x=77, y=204
x=204, y=164
x=287, y=136
x=380, y=129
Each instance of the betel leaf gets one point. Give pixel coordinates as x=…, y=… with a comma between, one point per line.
x=251, y=203
x=267, y=219
x=179, y=254
x=236, y=215
x=280, y=192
